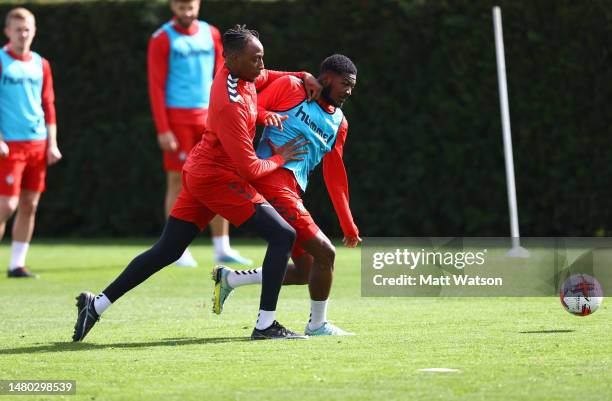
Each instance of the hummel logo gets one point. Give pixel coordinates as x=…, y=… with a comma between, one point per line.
x=232, y=89
x=236, y=99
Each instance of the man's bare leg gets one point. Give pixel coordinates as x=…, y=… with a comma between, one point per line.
x=23, y=228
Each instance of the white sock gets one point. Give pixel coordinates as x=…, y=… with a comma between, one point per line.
x=318, y=314
x=101, y=303
x=19, y=251
x=239, y=278
x=222, y=245
x=265, y=319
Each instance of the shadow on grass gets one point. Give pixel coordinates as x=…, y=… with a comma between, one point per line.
x=546, y=331
x=80, y=346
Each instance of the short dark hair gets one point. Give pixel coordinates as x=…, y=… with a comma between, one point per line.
x=339, y=64
x=236, y=38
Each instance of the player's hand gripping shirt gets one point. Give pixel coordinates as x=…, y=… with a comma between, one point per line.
x=227, y=145
x=26, y=96
x=324, y=126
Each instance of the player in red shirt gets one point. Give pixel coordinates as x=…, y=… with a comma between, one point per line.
x=216, y=181
x=27, y=133
x=183, y=56
x=283, y=108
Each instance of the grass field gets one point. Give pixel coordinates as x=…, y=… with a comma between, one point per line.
x=162, y=342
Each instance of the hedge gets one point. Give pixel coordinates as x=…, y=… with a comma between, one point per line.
x=424, y=152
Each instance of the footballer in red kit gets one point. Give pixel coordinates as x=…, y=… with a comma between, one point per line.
x=216, y=181
x=28, y=134
x=285, y=109
x=184, y=55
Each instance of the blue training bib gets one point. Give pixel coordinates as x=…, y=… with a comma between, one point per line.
x=315, y=125
x=21, y=114
x=191, y=65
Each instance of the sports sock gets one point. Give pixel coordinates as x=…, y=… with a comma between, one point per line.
x=265, y=318
x=238, y=278
x=222, y=245
x=318, y=314
x=101, y=303
x=19, y=251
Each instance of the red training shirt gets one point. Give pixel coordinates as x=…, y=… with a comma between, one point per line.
x=227, y=145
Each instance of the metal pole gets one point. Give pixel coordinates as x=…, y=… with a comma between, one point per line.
x=505, y=115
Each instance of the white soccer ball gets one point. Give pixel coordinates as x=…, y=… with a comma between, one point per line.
x=581, y=295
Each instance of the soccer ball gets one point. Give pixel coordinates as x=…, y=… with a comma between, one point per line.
x=581, y=294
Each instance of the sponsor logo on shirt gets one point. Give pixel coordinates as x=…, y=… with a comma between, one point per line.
x=190, y=53
x=301, y=114
x=6, y=80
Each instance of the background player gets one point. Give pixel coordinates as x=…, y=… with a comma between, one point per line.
x=183, y=56
x=27, y=133
x=216, y=181
x=323, y=124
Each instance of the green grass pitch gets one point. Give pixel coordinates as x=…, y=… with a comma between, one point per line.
x=162, y=342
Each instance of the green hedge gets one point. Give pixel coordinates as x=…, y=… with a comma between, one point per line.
x=424, y=152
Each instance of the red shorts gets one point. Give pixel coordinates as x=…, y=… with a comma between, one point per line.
x=187, y=136
x=281, y=190
x=24, y=168
x=225, y=194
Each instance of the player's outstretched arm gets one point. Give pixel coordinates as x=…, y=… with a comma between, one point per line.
x=284, y=94
x=311, y=84
x=336, y=181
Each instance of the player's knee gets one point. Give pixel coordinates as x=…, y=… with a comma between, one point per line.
x=303, y=276
x=284, y=237
x=28, y=206
x=290, y=234
x=8, y=206
x=327, y=256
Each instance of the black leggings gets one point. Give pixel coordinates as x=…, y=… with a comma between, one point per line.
x=175, y=238
x=178, y=234
x=267, y=223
